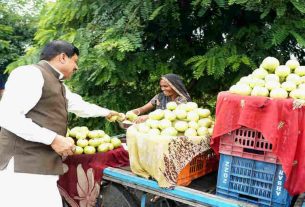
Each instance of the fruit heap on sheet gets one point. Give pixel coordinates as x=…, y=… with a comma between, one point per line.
x=179, y=120
x=273, y=80
x=90, y=142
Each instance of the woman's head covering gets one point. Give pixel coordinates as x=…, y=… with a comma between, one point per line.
x=177, y=85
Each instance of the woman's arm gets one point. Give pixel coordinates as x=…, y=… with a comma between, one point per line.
x=144, y=109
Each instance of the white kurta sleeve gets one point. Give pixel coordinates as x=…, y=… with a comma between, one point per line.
x=82, y=108
x=23, y=90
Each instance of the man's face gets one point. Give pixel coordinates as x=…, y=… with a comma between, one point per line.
x=69, y=65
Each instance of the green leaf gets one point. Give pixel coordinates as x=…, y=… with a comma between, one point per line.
x=155, y=13
x=299, y=5
x=221, y=3
x=266, y=11
x=299, y=38
x=205, y=3
x=4, y=44
x=280, y=11
x=70, y=37
x=45, y=35
x=5, y=30
x=279, y=35
x=231, y=2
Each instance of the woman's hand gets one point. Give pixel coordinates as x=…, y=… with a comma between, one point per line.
x=141, y=119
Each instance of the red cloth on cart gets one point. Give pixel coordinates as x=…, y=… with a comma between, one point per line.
x=80, y=184
x=281, y=121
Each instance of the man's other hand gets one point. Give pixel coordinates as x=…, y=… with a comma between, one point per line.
x=63, y=146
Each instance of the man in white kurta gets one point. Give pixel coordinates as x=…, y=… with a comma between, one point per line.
x=25, y=189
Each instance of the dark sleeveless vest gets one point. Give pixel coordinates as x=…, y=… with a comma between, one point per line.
x=50, y=112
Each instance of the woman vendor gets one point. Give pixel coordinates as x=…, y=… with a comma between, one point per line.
x=172, y=89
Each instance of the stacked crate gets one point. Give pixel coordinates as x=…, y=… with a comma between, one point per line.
x=249, y=171
x=200, y=165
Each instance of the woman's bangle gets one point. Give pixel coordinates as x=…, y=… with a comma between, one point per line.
x=138, y=112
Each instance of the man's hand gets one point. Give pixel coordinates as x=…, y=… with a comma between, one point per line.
x=63, y=146
x=112, y=116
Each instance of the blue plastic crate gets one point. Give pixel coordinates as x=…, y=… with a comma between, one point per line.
x=252, y=181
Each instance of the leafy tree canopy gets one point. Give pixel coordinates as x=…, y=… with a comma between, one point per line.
x=127, y=45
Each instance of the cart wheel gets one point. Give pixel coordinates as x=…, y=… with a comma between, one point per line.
x=115, y=195
x=156, y=201
x=161, y=202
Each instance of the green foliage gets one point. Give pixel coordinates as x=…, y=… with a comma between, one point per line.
x=16, y=30
x=125, y=46
x=207, y=3
x=217, y=60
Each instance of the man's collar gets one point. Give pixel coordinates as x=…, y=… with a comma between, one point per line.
x=61, y=76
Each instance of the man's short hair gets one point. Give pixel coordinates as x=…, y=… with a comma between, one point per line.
x=56, y=47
